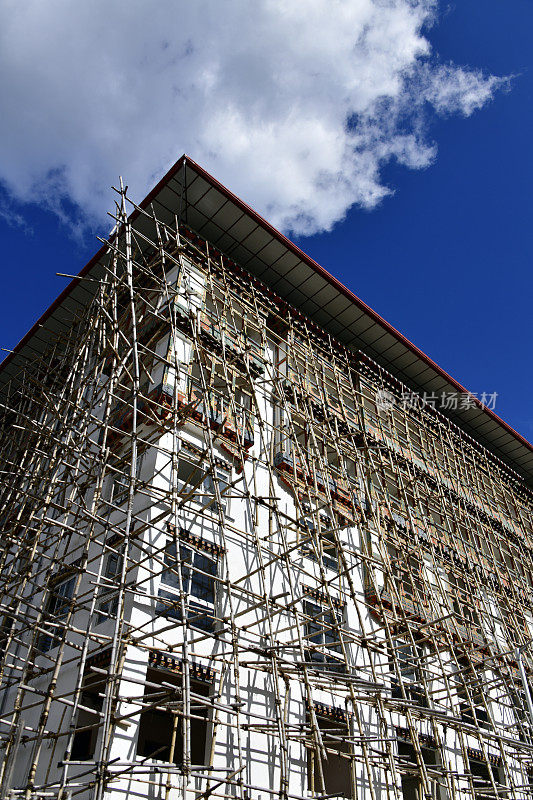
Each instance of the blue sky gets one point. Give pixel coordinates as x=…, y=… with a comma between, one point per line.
x=445, y=258
x=448, y=259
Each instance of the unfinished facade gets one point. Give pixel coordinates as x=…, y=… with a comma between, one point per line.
x=228, y=568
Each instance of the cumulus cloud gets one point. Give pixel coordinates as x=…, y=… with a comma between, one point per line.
x=296, y=106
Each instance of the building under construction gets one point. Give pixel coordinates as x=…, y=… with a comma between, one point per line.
x=244, y=555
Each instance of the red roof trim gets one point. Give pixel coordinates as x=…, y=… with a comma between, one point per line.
x=294, y=249
x=350, y=295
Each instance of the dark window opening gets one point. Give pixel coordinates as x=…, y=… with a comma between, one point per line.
x=84, y=743
x=120, y=479
x=476, y=715
x=412, y=783
x=222, y=481
x=325, y=542
x=193, y=480
x=481, y=778
x=6, y=628
x=474, y=712
x=336, y=770
x=410, y=685
x=190, y=477
x=161, y=729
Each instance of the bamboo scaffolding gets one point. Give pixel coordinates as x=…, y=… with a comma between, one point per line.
x=209, y=518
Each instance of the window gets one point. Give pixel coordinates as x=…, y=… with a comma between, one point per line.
x=119, y=480
x=6, y=627
x=400, y=427
x=406, y=578
x=482, y=780
x=193, y=480
x=88, y=719
x=328, y=550
x=336, y=770
x=473, y=711
x=370, y=411
x=222, y=480
x=56, y=609
x=190, y=288
x=108, y=604
x=57, y=505
x=462, y=601
x=391, y=486
x=412, y=786
x=322, y=633
x=120, y=486
x=415, y=437
x=161, y=730
x=245, y=417
x=324, y=541
x=198, y=571
x=190, y=476
x=409, y=661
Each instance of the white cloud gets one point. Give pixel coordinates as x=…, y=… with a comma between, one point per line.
x=451, y=89
x=296, y=106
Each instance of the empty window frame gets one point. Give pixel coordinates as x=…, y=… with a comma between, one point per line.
x=481, y=778
x=58, y=504
x=391, y=486
x=329, y=553
x=331, y=776
x=411, y=778
x=473, y=708
x=162, y=723
x=220, y=482
x=194, y=483
x=88, y=717
x=197, y=571
x=400, y=427
x=7, y=623
x=190, y=476
x=370, y=412
x=463, y=601
x=405, y=580
x=415, y=437
x=322, y=540
x=190, y=288
x=245, y=418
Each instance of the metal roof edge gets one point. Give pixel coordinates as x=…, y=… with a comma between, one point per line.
x=174, y=169
x=352, y=297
